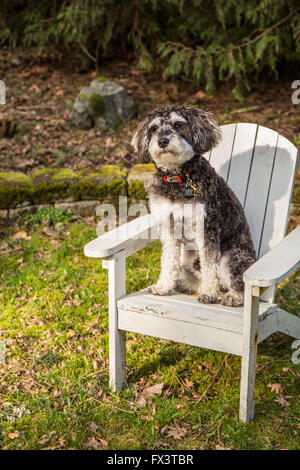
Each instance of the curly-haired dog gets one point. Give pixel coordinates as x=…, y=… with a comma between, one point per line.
x=175, y=139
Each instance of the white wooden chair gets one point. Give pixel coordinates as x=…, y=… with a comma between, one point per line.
x=260, y=166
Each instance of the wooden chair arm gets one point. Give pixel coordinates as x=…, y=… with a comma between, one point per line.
x=130, y=236
x=277, y=264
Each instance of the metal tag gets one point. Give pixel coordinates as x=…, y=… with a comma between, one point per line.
x=189, y=191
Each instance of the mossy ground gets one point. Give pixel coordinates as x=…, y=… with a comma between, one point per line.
x=54, y=317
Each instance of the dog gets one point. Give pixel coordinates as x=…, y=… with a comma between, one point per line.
x=212, y=264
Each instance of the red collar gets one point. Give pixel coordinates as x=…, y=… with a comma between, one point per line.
x=175, y=179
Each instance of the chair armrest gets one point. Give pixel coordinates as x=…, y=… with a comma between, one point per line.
x=122, y=237
x=277, y=264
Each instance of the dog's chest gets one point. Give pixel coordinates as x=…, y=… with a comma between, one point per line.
x=183, y=220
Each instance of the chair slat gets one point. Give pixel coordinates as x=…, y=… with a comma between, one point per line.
x=221, y=155
x=259, y=181
x=276, y=217
x=241, y=159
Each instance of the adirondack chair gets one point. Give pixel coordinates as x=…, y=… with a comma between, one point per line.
x=260, y=166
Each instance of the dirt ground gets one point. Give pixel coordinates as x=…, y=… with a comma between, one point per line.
x=40, y=94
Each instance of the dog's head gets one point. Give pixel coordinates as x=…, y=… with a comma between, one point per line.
x=172, y=135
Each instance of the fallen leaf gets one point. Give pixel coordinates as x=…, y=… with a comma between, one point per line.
x=149, y=392
x=49, y=231
x=14, y=435
x=199, y=96
x=188, y=383
x=275, y=388
x=282, y=401
x=96, y=443
x=94, y=426
x=140, y=402
x=21, y=235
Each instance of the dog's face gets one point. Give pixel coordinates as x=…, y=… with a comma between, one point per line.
x=172, y=135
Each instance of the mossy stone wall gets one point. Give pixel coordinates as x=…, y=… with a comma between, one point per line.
x=80, y=191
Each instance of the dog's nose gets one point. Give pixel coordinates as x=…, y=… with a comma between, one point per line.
x=163, y=142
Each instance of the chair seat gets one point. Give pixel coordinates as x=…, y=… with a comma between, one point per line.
x=180, y=317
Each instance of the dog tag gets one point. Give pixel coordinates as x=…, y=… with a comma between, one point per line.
x=189, y=191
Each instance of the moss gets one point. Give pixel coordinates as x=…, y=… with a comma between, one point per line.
x=64, y=173
x=102, y=79
x=82, y=96
x=15, y=188
x=53, y=184
x=96, y=103
x=143, y=167
x=118, y=123
x=109, y=170
x=60, y=173
x=106, y=182
x=136, y=190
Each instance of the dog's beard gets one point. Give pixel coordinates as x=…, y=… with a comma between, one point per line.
x=174, y=155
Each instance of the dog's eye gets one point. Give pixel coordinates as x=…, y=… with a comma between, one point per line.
x=177, y=125
x=153, y=129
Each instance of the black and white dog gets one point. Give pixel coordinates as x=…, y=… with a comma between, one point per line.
x=175, y=139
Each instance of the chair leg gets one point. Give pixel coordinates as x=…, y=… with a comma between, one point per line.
x=288, y=324
x=248, y=370
x=117, y=338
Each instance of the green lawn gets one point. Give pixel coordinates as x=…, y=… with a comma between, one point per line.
x=54, y=381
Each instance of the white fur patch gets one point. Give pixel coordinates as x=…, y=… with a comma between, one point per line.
x=175, y=117
x=188, y=220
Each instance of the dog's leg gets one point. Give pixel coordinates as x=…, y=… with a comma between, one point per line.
x=232, y=266
x=170, y=263
x=189, y=276
x=209, y=287
x=208, y=244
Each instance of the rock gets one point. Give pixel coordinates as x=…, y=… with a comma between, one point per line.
x=15, y=61
x=23, y=210
x=15, y=188
x=140, y=179
x=104, y=104
x=105, y=182
x=51, y=185
x=82, y=208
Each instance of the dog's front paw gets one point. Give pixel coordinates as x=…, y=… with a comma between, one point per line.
x=208, y=298
x=159, y=289
x=233, y=299
x=185, y=287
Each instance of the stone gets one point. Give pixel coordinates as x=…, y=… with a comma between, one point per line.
x=23, y=210
x=82, y=208
x=103, y=105
x=51, y=185
x=15, y=188
x=140, y=179
x=105, y=182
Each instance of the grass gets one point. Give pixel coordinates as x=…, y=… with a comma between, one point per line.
x=54, y=381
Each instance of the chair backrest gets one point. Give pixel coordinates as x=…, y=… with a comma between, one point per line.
x=259, y=165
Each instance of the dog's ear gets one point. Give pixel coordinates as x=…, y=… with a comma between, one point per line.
x=140, y=141
x=205, y=130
